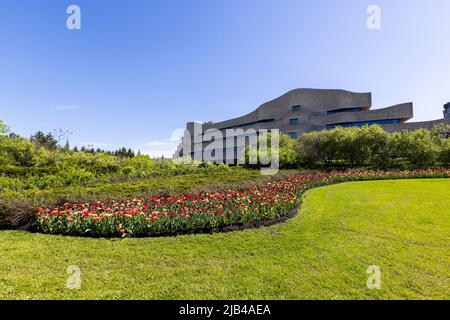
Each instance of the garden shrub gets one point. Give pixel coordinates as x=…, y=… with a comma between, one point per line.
x=323, y=146
x=418, y=147
x=15, y=171
x=363, y=146
x=444, y=155
x=372, y=146
x=18, y=151
x=307, y=148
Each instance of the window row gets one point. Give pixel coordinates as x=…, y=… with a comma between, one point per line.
x=362, y=123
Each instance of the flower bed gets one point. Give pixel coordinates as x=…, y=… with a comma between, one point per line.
x=202, y=212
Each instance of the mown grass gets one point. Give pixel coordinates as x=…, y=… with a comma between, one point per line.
x=402, y=226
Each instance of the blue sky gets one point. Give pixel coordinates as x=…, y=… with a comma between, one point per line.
x=138, y=70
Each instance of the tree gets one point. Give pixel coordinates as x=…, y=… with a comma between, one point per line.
x=13, y=135
x=42, y=140
x=21, y=150
x=326, y=145
x=124, y=153
x=444, y=154
x=288, y=156
x=67, y=145
x=441, y=131
x=269, y=148
x=60, y=134
x=5, y=157
x=363, y=145
x=3, y=128
x=418, y=147
x=356, y=146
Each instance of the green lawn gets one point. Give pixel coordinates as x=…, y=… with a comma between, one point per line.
x=402, y=226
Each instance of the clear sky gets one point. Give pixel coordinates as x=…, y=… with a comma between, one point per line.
x=138, y=70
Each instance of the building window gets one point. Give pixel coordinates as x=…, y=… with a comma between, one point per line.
x=293, y=135
x=344, y=110
x=362, y=123
x=294, y=122
x=296, y=108
x=249, y=124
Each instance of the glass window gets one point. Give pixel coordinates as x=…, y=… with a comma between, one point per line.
x=294, y=122
x=293, y=135
x=344, y=110
x=363, y=123
x=296, y=108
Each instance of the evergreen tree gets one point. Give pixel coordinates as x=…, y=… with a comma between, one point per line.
x=48, y=141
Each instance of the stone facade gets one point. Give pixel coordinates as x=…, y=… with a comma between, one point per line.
x=304, y=110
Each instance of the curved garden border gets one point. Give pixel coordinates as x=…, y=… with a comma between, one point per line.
x=335, y=178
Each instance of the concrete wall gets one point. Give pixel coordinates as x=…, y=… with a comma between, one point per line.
x=415, y=125
x=313, y=115
x=314, y=104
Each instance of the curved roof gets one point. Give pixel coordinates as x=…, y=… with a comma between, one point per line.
x=317, y=100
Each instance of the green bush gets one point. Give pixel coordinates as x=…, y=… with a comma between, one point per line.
x=3, y=128
x=288, y=157
x=18, y=151
x=323, y=146
x=15, y=171
x=372, y=146
x=363, y=146
x=418, y=147
x=307, y=148
x=444, y=155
